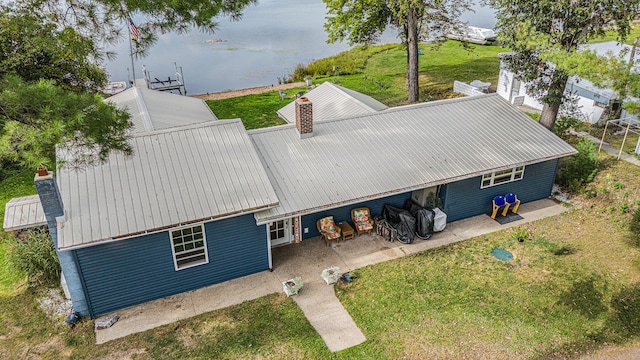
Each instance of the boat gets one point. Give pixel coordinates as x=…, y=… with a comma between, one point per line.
x=473, y=34
x=114, y=87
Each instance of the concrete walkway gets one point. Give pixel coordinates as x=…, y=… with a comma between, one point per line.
x=307, y=260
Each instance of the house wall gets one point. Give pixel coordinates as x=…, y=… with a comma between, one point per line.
x=505, y=83
x=463, y=199
x=137, y=270
x=344, y=213
x=589, y=110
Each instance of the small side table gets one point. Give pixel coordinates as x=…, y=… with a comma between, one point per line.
x=347, y=230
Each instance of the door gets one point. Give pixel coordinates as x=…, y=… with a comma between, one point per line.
x=281, y=232
x=515, y=89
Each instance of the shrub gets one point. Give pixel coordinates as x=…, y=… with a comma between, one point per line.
x=563, y=125
x=35, y=255
x=580, y=168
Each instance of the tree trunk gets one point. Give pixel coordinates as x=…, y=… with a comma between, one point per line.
x=552, y=101
x=549, y=115
x=412, y=56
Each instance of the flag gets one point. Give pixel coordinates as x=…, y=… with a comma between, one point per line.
x=135, y=32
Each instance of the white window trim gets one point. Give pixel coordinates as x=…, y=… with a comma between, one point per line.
x=513, y=174
x=173, y=249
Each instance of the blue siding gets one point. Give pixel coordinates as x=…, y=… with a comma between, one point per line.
x=141, y=269
x=344, y=213
x=463, y=199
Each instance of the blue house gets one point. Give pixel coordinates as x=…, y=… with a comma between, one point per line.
x=203, y=201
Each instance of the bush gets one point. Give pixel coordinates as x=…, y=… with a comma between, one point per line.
x=563, y=125
x=35, y=255
x=580, y=168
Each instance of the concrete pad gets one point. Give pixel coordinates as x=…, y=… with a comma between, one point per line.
x=327, y=315
x=148, y=316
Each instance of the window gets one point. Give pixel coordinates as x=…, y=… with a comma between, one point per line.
x=501, y=177
x=189, y=247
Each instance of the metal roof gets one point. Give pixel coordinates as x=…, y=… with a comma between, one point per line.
x=23, y=212
x=157, y=110
x=177, y=176
x=333, y=101
x=401, y=149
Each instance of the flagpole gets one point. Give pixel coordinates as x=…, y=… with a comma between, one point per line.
x=133, y=66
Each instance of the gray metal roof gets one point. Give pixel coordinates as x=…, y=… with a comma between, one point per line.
x=333, y=101
x=23, y=212
x=401, y=149
x=156, y=110
x=176, y=176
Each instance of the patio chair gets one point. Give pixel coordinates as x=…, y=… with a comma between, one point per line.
x=513, y=201
x=328, y=229
x=499, y=202
x=362, y=220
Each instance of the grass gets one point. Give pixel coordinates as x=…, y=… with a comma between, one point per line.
x=256, y=111
x=18, y=184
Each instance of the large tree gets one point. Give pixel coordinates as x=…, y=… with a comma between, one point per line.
x=531, y=28
x=363, y=21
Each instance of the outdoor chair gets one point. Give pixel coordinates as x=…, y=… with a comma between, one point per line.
x=362, y=220
x=499, y=202
x=513, y=201
x=328, y=229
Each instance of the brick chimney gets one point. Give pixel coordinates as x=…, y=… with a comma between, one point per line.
x=304, y=118
x=49, y=195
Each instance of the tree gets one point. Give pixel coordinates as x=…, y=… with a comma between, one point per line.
x=531, y=28
x=607, y=71
x=363, y=21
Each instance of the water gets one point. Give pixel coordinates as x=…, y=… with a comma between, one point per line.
x=266, y=44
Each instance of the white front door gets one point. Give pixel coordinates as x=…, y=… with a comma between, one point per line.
x=281, y=232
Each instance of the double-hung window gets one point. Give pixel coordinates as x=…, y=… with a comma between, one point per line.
x=189, y=247
x=501, y=177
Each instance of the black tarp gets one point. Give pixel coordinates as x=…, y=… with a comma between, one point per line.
x=423, y=218
x=402, y=221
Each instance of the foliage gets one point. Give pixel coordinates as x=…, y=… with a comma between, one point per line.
x=38, y=116
x=34, y=254
x=578, y=169
x=563, y=124
x=58, y=54
x=531, y=28
x=609, y=71
x=362, y=22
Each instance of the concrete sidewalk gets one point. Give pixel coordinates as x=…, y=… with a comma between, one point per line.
x=307, y=260
x=609, y=149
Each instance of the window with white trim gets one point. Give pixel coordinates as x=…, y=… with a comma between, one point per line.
x=501, y=177
x=189, y=247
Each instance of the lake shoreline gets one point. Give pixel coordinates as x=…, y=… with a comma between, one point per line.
x=247, y=91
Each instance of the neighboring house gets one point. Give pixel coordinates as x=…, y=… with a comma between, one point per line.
x=204, y=202
x=334, y=101
x=594, y=102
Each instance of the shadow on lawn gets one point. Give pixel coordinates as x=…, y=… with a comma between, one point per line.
x=622, y=321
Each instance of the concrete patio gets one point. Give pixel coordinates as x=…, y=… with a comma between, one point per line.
x=307, y=260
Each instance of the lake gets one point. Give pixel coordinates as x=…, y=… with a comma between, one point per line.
x=266, y=44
